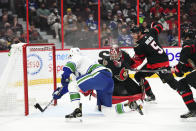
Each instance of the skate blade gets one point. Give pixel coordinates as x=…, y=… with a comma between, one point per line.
x=189, y=119
x=74, y=120
x=151, y=102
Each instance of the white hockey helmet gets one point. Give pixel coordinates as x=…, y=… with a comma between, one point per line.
x=74, y=51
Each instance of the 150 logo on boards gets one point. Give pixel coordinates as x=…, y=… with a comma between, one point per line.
x=34, y=64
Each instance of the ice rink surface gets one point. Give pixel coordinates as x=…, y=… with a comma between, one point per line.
x=162, y=116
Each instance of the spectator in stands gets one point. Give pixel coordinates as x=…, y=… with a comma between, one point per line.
x=133, y=15
x=108, y=5
x=23, y=36
x=93, y=5
x=32, y=10
x=185, y=21
x=79, y=12
x=10, y=38
x=86, y=13
x=54, y=22
x=143, y=5
x=108, y=17
x=42, y=16
x=70, y=25
x=3, y=44
x=34, y=35
x=170, y=10
x=91, y=23
x=126, y=10
x=70, y=28
x=113, y=25
x=16, y=27
x=115, y=8
x=125, y=39
x=173, y=23
x=81, y=24
x=53, y=6
x=145, y=26
x=141, y=16
x=156, y=11
x=3, y=21
x=193, y=9
x=5, y=13
x=68, y=15
x=149, y=5
x=173, y=29
x=82, y=34
x=120, y=15
x=105, y=35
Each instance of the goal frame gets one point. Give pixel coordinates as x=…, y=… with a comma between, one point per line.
x=25, y=74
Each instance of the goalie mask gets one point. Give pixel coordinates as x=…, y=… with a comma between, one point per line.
x=115, y=52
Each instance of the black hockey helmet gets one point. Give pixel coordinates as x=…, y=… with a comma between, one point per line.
x=189, y=33
x=136, y=30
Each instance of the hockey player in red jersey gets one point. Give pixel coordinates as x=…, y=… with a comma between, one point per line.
x=187, y=64
x=119, y=61
x=125, y=88
x=147, y=47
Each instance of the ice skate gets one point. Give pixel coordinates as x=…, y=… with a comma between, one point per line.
x=76, y=114
x=134, y=106
x=189, y=114
x=150, y=98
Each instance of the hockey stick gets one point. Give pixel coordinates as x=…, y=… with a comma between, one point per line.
x=152, y=71
x=37, y=106
x=191, y=63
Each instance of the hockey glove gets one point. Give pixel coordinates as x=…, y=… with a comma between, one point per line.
x=59, y=92
x=179, y=70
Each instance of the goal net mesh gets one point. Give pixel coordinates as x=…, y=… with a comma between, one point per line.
x=39, y=78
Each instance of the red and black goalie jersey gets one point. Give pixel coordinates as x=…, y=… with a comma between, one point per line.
x=148, y=47
x=125, y=62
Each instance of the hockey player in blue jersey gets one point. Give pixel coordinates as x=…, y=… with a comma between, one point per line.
x=92, y=76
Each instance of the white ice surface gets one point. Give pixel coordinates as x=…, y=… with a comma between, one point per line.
x=163, y=116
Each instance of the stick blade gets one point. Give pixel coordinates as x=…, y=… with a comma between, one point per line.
x=37, y=106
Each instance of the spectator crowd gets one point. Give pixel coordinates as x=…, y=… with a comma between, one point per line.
x=80, y=21
x=119, y=16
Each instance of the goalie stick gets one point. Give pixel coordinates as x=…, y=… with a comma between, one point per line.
x=37, y=106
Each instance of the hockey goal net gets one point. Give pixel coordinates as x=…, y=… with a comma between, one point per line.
x=28, y=78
